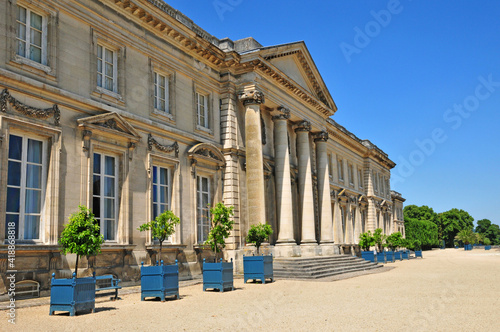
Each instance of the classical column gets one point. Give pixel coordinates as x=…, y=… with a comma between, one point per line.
x=305, y=183
x=282, y=174
x=254, y=160
x=325, y=202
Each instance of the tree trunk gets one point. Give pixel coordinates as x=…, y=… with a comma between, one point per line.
x=76, y=266
x=159, y=254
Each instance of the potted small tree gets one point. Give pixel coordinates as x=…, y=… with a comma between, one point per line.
x=81, y=236
x=160, y=280
x=406, y=243
x=366, y=241
x=379, y=242
x=393, y=241
x=219, y=275
x=417, y=248
x=258, y=267
x=467, y=236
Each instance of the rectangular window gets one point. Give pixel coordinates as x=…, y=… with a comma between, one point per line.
x=161, y=190
x=202, y=203
x=360, y=178
x=343, y=220
x=31, y=35
x=375, y=181
x=105, y=194
x=106, y=68
x=161, y=93
x=202, y=109
x=340, y=169
x=350, y=172
x=25, y=186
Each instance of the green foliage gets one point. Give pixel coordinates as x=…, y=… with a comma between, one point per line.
x=487, y=241
x=81, y=236
x=467, y=236
x=221, y=226
x=394, y=240
x=453, y=221
x=379, y=239
x=366, y=240
x=162, y=227
x=420, y=212
x=421, y=233
x=257, y=234
x=489, y=230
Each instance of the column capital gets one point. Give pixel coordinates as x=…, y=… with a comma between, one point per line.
x=303, y=126
x=321, y=136
x=251, y=97
x=284, y=114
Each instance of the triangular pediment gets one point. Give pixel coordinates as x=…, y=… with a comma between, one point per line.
x=111, y=123
x=295, y=61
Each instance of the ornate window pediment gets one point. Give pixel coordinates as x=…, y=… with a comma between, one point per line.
x=207, y=153
x=110, y=125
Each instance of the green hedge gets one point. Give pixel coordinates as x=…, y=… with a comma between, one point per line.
x=421, y=231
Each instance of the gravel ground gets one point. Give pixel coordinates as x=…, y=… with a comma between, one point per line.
x=448, y=290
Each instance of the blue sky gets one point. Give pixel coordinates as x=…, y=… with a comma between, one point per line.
x=420, y=79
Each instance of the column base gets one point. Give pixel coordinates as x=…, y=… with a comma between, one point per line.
x=286, y=250
x=310, y=250
x=328, y=249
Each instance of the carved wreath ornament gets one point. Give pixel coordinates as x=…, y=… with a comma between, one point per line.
x=33, y=112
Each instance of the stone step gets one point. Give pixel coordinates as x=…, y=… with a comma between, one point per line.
x=320, y=267
x=316, y=268
x=323, y=275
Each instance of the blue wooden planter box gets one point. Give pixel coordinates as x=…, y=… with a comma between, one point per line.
x=218, y=275
x=390, y=256
x=405, y=254
x=468, y=247
x=368, y=255
x=258, y=267
x=73, y=295
x=381, y=257
x=397, y=255
x=159, y=281
x=418, y=253
x=487, y=247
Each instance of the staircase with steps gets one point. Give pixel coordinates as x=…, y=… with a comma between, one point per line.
x=319, y=267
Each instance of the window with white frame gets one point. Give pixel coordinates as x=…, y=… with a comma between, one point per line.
x=105, y=194
x=340, y=168
x=107, y=68
x=202, y=110
x=203, y=208
x=31, y=35
x=161, y=86
x=161, y=190
x=25, y=186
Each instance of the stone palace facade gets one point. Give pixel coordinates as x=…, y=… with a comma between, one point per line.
x=130, y=108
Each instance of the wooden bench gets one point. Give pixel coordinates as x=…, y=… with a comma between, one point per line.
x=27, y=289
x=107, y=283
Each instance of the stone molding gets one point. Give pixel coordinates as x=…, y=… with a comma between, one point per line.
x=29, y=111
x=252, y=97
x=163, y=148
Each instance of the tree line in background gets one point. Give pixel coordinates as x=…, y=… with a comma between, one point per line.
x=450, y=228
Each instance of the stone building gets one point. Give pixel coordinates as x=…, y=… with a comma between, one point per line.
x=130, y=108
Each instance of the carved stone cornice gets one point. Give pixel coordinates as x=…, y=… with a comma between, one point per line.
x=303, y=126
x=252, y=97
x=322, y=136
x=164, y=148
x=284, y=114
x=33, y=112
